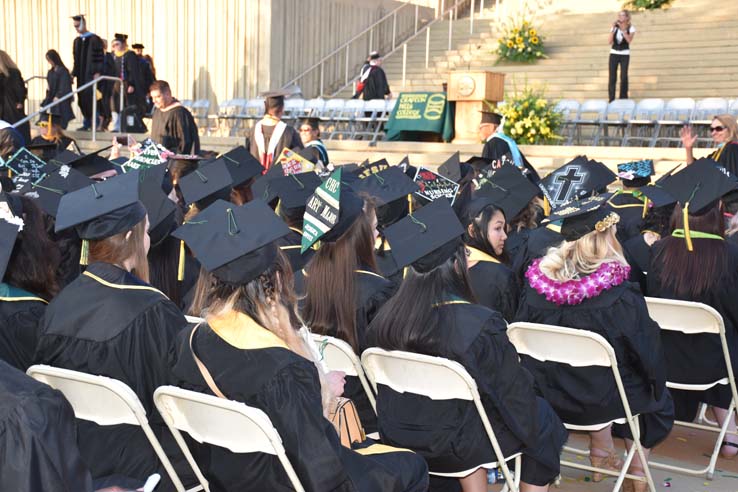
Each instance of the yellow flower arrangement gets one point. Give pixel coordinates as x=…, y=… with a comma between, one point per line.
x=530, y=118
x=520, y=42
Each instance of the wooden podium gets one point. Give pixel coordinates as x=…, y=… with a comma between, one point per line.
x=469, y=90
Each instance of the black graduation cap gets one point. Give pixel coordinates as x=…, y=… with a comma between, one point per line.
x=10, y=226
x=41, y=145
x=242, y=165
x=636, y=169
x=50, y=114
x=262, y=187
x=478, y=162
x=575, y=180
x=160, y=209
x=451, y=169
x=123, y=38
x=137, y=46
x=102, y=209
x=277, y=95
x=55, y=182
x=294, y=190
x=491, y=117
x=64, y=156
x=580, y=217
x=430, y=234
x=700, y=185
x=367, y=169
x=385, y=186
x=210, y=180
x=78, y=17
x=234, y=243
x=509, y=190
x=658, y=195
x=92, y=164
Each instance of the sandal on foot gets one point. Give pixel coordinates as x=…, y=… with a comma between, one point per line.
x=610, y=462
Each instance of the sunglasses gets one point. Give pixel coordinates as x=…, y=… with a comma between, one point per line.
x=306, y=129
x=716, y=128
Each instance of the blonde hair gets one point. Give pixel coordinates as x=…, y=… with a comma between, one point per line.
x=573, y=259
x=6, y=64
x=729, y=122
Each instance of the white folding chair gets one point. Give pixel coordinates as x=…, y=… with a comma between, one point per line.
x=229, y=424
x=339, y=356
x=582, y=348
x=569, y=108
x=104, y=401
x=704, y=112
x=618, y=115
x=293, y=109
x=691, y=318
x=367, y=126
x=229, y=115
x=345, y=119
x=438, y=379
x=733, y=107
x=643, y=124
x=677, y=113
x=591, y=114
x=313, y=107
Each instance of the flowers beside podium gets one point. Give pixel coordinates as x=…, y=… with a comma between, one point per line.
x=520, y=43
x=530, y=118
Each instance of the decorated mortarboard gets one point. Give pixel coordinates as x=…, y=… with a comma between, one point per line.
x=92, y=164
x=234, y=243
x=101, y=210
x=330, y=212
x=262, y=187
x=575, y=180
x=11, y=223
x=432, y=186
x=490, y=117
x=150, y=156
x=293, y=162
x=209, y=182
x=451, y=169
x=294, y=190
x=636, y=170
x=24, y=167
x=580, y=217
x=159, y=207
x=385, y=186
x=367, y=169
x=509, y=190
x=55, y=182
x=242, y=165
x=426, y=238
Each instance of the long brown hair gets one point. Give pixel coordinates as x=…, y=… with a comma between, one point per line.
x=117, y=249
x=6, y=64
x=331, y=292
x=690, y=273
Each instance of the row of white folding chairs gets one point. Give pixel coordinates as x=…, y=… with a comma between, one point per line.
x=648, y=121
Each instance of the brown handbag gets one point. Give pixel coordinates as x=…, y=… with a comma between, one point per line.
x=345, y=418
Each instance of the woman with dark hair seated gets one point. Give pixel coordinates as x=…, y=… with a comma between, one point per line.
x=28, y=262
x=696, y=264
x=434, y=313
x=492, y=281
x=253, y=352
x=343, y=292
x=583, y=284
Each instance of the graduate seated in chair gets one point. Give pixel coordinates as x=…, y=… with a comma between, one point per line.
x=582, y=284
x=434, y=313
x=251, y=350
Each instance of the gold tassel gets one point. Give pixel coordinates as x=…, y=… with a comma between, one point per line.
x=546, y=206
x=404, y=273
x=84, y=256
x=181, y=264
x=687, y=236
x=645, y=207
x=410, y=203
x=278, y=207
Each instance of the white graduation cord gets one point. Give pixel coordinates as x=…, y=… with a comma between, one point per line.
x=151, y=482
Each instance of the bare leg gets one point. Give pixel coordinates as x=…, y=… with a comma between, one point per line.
x=636, y=468
x=526, y=487
x=600, y=442
x=475, y=482
x=721, y=414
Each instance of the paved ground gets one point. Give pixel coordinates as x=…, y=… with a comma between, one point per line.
x=684, y=447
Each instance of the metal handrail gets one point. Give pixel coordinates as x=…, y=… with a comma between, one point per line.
x=91, y=83
x=347, y=45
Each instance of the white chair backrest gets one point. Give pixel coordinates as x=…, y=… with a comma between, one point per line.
x=710, y=106
x=201, y=104
x=680, y=108
x=621, y=108
x=102, y=400
x=598, y=106
x=405, y=372
x=334, y=104
x=376, y=105
x=568, y=107
x=294, y=104
x=337, y=354
x=650, y=109
x=577, y=348
x=390, y=104
x=225, y=423
x=685, y=316
x=194, y=319
x=733, y=107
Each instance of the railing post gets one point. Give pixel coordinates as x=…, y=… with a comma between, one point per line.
x=94, y=111
x=416, y=18
x=394, y=30
x=497, y=12
x=427, y=45
x=404, y=63
x=347, y=65
x=443, y=7
x=322, y=77
x=122, y=102
x=371, y=39
x=450, y=27
x=481, y=7
x=471, y=17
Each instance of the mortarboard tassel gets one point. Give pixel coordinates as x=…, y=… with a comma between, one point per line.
x=181, y=264
x=546, y=206
x=410, y=203
x=687, y=235
x=84, y=256
x=645, y=207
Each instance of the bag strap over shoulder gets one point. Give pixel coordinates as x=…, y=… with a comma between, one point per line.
x=204, y=370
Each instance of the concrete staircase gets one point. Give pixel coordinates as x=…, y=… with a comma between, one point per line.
x=688, y=50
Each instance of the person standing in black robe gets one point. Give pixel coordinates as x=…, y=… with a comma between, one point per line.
x=703, y=269
x=88, y=65
x=172, y=125
x=109, y=321
x=582, y=284
x=271, y=135
x=724, y=133
x=60, y=84
x=106, y=89
x=250, y=347
x=375, y=80
x=128, y=68
x=13, y=95
x=28, y=282
x=433, y=313
x=147, y=70
x=343, y=292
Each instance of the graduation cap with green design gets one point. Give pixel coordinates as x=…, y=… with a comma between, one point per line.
x=24, y=167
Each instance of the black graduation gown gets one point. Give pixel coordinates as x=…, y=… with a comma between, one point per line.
x=38, y=448
x=515, y=241
x=108, y=322
x=386, y=264
x=589, y=395
x=176, y=130
x=88, y=60
x=290, y=245
x=13, y=92
x=376, y=85
x=59, y=85
x=130, y=68
x=495, y=148
x=638, y=254
x=536, y=245
x=699, y=358
x=493, y=284
x=630, y=210
x=728, y=157
x=20, y=313
x=251, y=365
x=449, y=433
x=290, y=139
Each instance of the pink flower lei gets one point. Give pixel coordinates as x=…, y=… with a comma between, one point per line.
x=573, y=292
